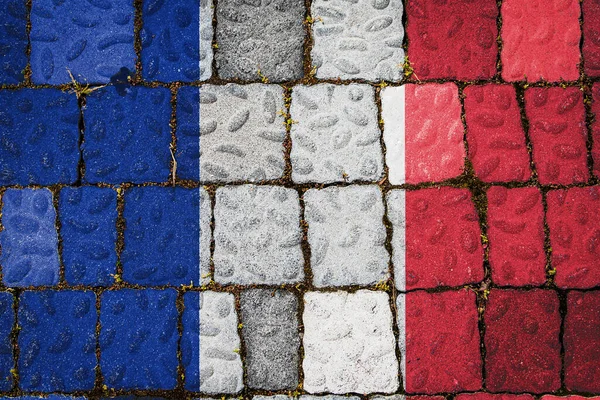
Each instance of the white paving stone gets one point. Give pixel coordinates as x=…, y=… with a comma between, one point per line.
x=220, y=363
x=358, y=39
x=346, y=235
x=396, y=205
x=349, y=345
x=257, y=235
x=205, y=236
x=336, y=135
x=206, y=36
x=241, y=133
x=393, y=112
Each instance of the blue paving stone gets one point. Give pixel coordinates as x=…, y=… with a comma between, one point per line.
x=39, y=137
x=88, y=217
x=170, y=40
x=13, y=41
x=93, y=39
x=138, y=340
x=7, y=321
x=127, y=137
x=134, y=397
x=29, y=240
x=49, y=397
x=161, y=236
x=190, y=341
x=57, y=341
x=188, y=133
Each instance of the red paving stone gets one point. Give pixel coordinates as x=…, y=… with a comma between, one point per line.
x=442, y=342
x=596, y=127
x=495, y=135
x=591, y=37
x=540, y=40
x=492, y=396
x=455, y=39
x=443, y=243
x=516, y=236
x=572, y=397
x=433, y=133
x=558, y=134
x=573, y=218
x=521, y=341
x=582, y=342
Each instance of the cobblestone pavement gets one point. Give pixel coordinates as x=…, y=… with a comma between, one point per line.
x=313, y=199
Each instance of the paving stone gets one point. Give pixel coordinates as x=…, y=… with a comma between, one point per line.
x=260, y=40
x=188, y=133
x=206, y=37
x=531, y=50
x=516, y=236
x=455, y=40
x=336, y=137
x=346, y=236
x=558, y=134
x=439, y=341
x=436, y=238
x=13, y=44
x=29, y=241
x=491, y=396
x=390, y=397
x=358, y=40
x=329, y=397
x=521, y=341
x=161, y=236
x=241, y=133
x=270, y=333
x=49, y=397
x=135, y=398
x=595, y=108
x=170, y=40
x=138, y=340
x=205, y=237
x=92, y=39
x=571, y=397
x=7, y=322
x=38, y=137
x=88, y=217
x=582, y=342
x=274, y=397
x=348, y=343
x=210, y=334
x=57, y=341
x=127, y=137
x=495, y=135
x=257, y=235
x=591, y=32
x=423, y=132
x=573, y=217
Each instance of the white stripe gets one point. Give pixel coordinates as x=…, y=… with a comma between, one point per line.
x=396, y=204
x=401, y=307
x=393, y=113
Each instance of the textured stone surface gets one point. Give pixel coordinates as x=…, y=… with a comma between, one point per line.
x=441, y=352
x=558, y=134
x=7, y=321
x=454, y=40
x=591, y=35
x=540, y=40
x=270, y=332
x=436, y=238
x=516, y=236
x=257, y=235
x=241, y=133
x=161, y=236
x=495, y=135
x=206, y=37
x=595, y=108
x=213, y=339
x=423, y=132
x=582, y=342
x=205, y=236
x=138, y=340
x=93, y=39
x=348, y=343
x=13, y=44
x=29, y=241
x=521, y=341
x=491, y=396
x=127, y=137
x=573, y=217
x=57, y=341
x=358, y=39
x=88, y=217
x=346, y=235
x=170, y=39
x=336, y=137
x=188, y=133
x=260, y=36
x=38, y=137
x=329, y=397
